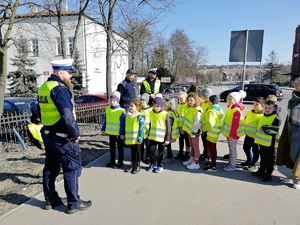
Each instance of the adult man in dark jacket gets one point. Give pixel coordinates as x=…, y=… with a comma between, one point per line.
x=127, y=89
x=61, y=135
x=151, y=85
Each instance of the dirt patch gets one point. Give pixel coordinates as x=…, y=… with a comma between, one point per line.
x=21, y=170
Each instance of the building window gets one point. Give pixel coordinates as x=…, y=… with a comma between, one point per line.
x=58, y=46
x=71, y=45
x=35, y=47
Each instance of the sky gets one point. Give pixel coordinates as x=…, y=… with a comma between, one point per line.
x=209, y=23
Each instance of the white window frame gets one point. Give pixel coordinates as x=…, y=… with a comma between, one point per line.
x=71, y=45
x=58, y=46
x=35, y=47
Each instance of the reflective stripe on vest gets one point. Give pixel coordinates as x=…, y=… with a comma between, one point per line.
x=181, y=110
x=226, y=127
x=49, y=113
x=146, y=112
x=175, y=130
x=112, y=117
x=188, y=123
x=158, y=126
x=131, y=130
x=216, y=129
x=148, y=88
x=251, y=123
x=261, y=138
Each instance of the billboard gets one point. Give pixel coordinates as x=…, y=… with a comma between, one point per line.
x=246, y=41
x=191, y=79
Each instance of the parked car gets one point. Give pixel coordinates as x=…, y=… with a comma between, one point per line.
x=172, y=90
x=17, y=105
x=255, y=90
x=90, y=107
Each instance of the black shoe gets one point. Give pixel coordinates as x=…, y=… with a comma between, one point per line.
x=58, y=202
x=119, y=165
x=179, y=156
x=266, y=178
x=258, y=174
x=129, y=169
x=136, y=170
x=110, y=164
x=246, y=163
x=83, y=206
x=202, y=158
x=226, y=157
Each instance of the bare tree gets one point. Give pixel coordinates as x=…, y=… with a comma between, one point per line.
x=7, y=17
x=272, y=66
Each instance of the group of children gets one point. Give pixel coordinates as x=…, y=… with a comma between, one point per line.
x=149, y=129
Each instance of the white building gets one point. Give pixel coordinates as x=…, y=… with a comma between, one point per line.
x=41, y=31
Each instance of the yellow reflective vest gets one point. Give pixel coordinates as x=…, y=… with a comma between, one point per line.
x=261, y=138
x=112, y=117
x=131, y=129
x=146, y=112
x=226, y=127
x=35, y=130
x=175, y=130
x=188, y=123
x=251, y=123
x=49, y=113
x=214, y=132
x=148, y=88
x=181, y=110
x=158, y=127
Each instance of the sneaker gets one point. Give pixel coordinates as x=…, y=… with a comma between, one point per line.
x=57, y=202
x=207, y=163
x=211, y=169
x=179, y=156
x=229, y=168
x=251, y=168
x=193, y=166
x=226, y=157
x=296, y=184
x=287, y=180
x=151, y=167
x=188, y=162
x=159, y=169
x=83, y=206
x=110, y=164
x=202, y=158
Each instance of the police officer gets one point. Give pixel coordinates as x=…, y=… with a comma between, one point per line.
x=127, y=89
x=151, y=85
x=60, y=133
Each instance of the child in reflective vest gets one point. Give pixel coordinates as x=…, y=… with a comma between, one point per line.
x=212, y=126
x=233, y=126
x=134, y=134
x=250, y=123
x=170, y=107
x=114, y=126
x=266, y=135
x=192, y=125
x=159, y=135
x=145, y=110
x=181, y=110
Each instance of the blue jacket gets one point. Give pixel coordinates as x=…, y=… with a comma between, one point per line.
x=127, y=90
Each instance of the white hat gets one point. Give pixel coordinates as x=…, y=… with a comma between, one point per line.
x=63, y=64
x=237, y=96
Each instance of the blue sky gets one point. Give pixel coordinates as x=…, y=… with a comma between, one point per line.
x=209, y=23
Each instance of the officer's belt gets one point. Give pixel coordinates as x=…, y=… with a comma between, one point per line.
x=63, y=135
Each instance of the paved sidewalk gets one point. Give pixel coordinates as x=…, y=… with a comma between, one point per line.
x=175, y=196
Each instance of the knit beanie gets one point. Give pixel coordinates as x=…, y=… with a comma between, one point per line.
x=145, y=97
x=173, y=104
x=116, y=95
x=206, y=92
x=158, y=101
x=214, y=99
x=237, y=96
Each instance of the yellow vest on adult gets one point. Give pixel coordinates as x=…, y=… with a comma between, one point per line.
x=175, y=130
x=226, y=127
x=112, y=117
x=148, y=88
x=251, y=123
x=188, y=123
x=158, y=126
x=49, y=113
x=131, y=129
x=181, y=110
x=215, y=131
x=146, y=112
x=261, y=138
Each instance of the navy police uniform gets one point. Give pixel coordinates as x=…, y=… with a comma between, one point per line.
x=61, y=149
